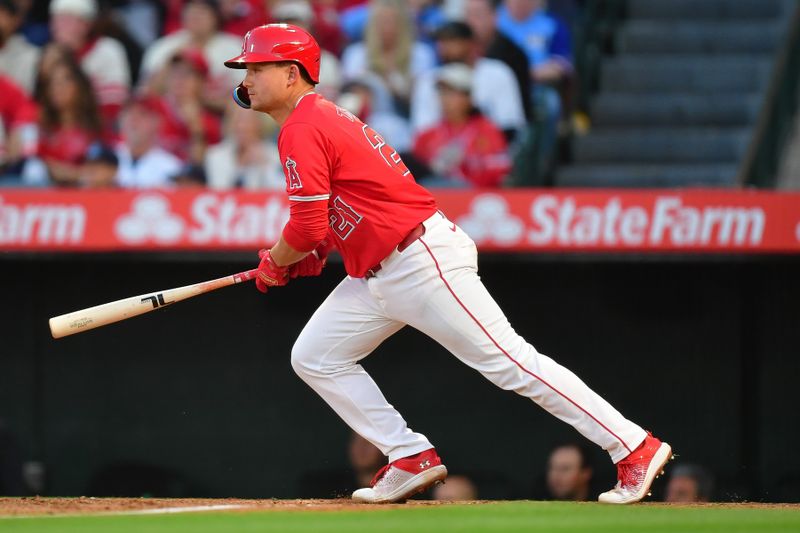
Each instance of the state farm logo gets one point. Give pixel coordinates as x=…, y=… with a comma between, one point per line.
x=41, y=223
x=665, y=222
x=490, y=219
x=669, y=222
x=210, y=219
x=150, y=218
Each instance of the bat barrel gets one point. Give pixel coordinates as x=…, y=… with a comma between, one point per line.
x=104, y=314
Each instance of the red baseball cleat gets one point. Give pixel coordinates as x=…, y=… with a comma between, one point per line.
x=401, y=479
x=636, y=473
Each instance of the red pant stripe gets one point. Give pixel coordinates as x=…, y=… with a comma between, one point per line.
x=449, y=288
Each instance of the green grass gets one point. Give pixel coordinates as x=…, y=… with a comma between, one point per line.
x=507, y=516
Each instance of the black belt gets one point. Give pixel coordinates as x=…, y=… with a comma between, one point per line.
x=409, y=239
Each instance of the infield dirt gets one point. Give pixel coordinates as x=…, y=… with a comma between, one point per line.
x=42, y=506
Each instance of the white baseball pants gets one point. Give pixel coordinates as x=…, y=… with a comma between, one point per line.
x=433, y=286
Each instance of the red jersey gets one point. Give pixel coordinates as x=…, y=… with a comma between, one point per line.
x=341, y=173
x=475, y=152
x=65, y=145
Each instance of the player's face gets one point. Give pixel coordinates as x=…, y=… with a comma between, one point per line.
x=266, y=84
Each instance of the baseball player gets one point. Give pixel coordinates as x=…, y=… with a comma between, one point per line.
x=407, y=264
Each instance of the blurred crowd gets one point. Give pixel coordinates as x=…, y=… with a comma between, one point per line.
x=134, y=93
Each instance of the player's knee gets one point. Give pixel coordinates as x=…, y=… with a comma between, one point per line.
x=305, y=360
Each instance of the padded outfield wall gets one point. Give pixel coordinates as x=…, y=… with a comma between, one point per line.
x=702, y=349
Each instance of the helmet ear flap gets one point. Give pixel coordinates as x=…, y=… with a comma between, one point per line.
x=241, y=97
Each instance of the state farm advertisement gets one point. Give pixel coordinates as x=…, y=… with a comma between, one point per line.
x=524, y=220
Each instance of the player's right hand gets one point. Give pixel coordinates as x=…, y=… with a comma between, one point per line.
x=313, y=263
x=269, y=273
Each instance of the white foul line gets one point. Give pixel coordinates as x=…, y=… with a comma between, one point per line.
x=160, y=510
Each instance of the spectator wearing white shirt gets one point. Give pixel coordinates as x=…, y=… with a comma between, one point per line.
x=103, y=59
x=245, y=158
x=142, y=163
x=495, y=91
x=390, y=50
x=200, y=31
x=18, y=57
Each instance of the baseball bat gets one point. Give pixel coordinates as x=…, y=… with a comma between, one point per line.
x=101, y=315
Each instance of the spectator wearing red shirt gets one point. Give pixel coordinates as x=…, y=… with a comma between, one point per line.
x=187, y=127
x=69, y=120
x=18, y=117
x=465, y=149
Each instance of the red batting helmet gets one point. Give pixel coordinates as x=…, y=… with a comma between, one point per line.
x=279, y=42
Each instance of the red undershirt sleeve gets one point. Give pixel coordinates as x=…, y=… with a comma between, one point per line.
x=308, y=160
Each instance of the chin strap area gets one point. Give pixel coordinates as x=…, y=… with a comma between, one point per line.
x=240, y=96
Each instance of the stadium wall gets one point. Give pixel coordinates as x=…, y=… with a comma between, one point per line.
x=702, y=350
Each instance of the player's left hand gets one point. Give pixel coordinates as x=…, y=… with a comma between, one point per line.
x=269, y=273
x=313, y=263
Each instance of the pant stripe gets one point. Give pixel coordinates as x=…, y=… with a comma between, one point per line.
x=449, y=288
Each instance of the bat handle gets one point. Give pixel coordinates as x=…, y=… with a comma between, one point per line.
x=247, y=275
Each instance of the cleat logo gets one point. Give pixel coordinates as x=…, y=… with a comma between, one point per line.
x=425, y=464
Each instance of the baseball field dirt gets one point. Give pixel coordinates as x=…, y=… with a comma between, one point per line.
x=123, y=515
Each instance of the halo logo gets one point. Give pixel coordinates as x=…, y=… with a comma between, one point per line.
x=150, y=218
x=489, y=218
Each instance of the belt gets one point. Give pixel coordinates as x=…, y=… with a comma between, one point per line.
x=409, y=239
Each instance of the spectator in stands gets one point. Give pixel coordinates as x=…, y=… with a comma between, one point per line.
x=689, y=483
x=141, y=19
x=99, y=170
x=187, y=127
x=241, y=16
x=142, y=163
x=327, y=31
x=69, y=120
x=200, y=31
x=547, y=43
x=569, y=473
x=18, y=58
x=389, y=50
x=237, y=16
x=190, y=175
x=102, y=58
x=544, y=38
x=426, y=14
x=481, y=16
x=495, y=90
x=245, y=158
x=34, y=22
x=369, y=100
x=465, y=149
x=300, y=13
x=457, y=488
x=18, y=128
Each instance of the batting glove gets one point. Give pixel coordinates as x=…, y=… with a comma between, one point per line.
x=269, y=273
x=313, y=263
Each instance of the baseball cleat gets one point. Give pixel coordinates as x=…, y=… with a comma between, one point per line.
x=401, y=479
x=636, y=473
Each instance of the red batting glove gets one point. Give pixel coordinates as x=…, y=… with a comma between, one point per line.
x=313, y=263
x=269, y=273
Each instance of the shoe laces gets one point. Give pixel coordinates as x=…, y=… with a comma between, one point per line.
x=379, y=475
x=630, y=474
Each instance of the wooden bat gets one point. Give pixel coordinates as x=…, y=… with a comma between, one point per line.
x=100, y=315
